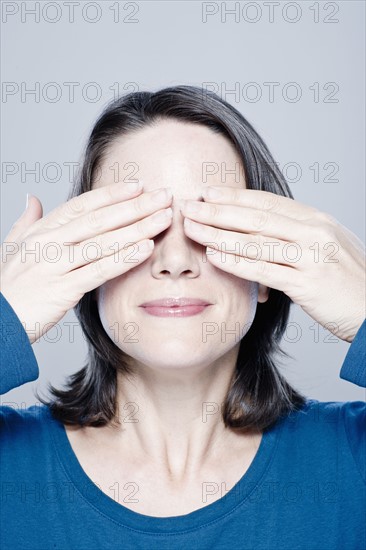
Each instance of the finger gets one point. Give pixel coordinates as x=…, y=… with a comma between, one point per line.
x=94, y=274
x=268, y=274
x=111, y=242
x=261, y=200
x=249, y=246
x=85, y=203
x=256, y=247
x=246, y=220
x=29, y=216
x=114, y=216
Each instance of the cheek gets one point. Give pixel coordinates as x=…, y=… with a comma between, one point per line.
x=246, y=292
x=101, y=303
x=107, y=308
x=245, y=301
x=253, y=292
x=112, y=306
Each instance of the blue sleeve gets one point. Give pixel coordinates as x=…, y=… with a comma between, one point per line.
x=354, y=419
x=18, y=364
x=354, y=366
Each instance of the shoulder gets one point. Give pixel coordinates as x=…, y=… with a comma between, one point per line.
x=17, y=421
x=328, y=429
x=332, y=411
x=328, y=415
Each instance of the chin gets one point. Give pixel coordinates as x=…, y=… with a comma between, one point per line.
x=178, y=359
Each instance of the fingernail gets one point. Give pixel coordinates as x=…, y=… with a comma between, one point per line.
x=27, y=201
x=211, y=193
x=162, y=195
x=146, y=246
x=189, y=224
x=191, y=206
x=162, y=216
x=133, y=186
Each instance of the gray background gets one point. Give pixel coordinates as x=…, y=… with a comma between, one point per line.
x=170, y=44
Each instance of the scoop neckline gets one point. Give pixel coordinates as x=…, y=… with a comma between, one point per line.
x=237, y=496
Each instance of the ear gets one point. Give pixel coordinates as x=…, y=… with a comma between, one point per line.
x=263, y=293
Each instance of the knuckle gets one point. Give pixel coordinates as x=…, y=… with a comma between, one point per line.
x=312, y=230
x=332, y=222
x=270, y=201
x=215, y=236
x=236, y=195
x=139, y=205
x=98, y=270
x=260, y=220
x=141, y=229
x=74, y=207
x=252, y=245
x=258, y=241
x=325, y=218
x=111, y=192
x=324, y=234
x=263, y=268
x=214, y=211
x=324, y=226
x=33, y=243
x=98, y=242
x=94, y=220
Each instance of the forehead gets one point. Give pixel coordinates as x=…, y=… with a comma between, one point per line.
x=184, y=156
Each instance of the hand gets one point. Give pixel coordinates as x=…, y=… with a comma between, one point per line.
x=79, y=246
x=285, y=245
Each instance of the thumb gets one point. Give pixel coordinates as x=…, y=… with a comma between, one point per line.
x=32, y=213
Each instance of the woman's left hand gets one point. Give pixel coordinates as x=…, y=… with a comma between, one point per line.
x=286, y=245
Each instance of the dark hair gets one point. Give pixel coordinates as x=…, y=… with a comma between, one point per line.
x=258, y=394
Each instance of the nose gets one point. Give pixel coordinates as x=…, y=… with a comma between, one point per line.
x=175, y=254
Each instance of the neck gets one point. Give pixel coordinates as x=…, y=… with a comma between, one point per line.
x=172, y=417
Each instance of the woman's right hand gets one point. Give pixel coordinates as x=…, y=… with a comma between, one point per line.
x=42, y=286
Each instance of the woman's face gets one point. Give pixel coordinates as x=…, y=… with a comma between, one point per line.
x=175, y=154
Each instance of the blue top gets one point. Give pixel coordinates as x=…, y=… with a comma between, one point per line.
x=304, y=490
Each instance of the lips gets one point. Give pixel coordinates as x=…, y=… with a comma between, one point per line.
x=175, y=307
x=171, y=302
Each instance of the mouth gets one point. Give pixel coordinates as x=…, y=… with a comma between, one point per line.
x=176, y=302
x=175, y=307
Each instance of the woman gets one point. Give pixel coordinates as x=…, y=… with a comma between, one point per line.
x=180, y=429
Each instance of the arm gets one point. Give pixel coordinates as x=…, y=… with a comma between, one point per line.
x=354, y=412
x=18, y=364
x=354, y=366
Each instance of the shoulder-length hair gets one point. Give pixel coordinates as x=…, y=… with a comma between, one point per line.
x=258, y=394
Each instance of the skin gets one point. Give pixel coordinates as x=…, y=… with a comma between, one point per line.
x=176, y=370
